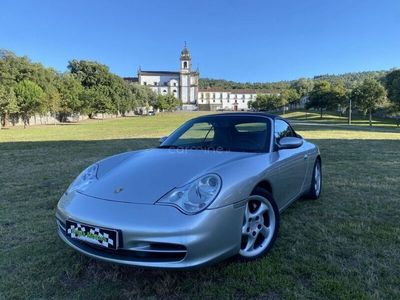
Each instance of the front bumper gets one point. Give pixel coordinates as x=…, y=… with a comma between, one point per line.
x=154, y=235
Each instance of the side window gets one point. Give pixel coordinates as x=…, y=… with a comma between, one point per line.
x=283, y=129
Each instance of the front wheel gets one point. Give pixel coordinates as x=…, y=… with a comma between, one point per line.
x=260, y=225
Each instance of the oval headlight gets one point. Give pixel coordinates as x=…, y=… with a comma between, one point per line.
x=84, y=179
x=195, y=196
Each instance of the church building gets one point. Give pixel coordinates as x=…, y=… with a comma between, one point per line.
x=183, y=84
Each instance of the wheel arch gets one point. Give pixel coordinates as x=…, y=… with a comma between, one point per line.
x=264, y=184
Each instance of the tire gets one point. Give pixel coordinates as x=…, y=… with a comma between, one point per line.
x=316, y=187
x=260, y=225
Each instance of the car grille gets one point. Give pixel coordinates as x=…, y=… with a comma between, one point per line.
x=144, y=252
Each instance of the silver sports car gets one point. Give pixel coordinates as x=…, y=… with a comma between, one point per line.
x=213, y=189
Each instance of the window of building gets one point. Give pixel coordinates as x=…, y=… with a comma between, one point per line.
x=243, y=100
x=144, y=82
x=164, y=91
x=214, y=100
x=185, y=64
x=174, y=83
x=174, y=91
x=155, y=83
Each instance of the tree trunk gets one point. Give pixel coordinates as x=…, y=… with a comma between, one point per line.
x=4, y=120
x=370, y=118
x=321, y=112
x=349, y=120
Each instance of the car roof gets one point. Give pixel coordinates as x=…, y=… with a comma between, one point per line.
x=247, y=114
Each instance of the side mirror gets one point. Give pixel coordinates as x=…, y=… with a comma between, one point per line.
x=162, y=140
x=289, y=142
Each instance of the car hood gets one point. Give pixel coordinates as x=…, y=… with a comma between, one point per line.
x=145, y=176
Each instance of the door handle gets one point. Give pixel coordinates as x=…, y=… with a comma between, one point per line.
x=305, y=156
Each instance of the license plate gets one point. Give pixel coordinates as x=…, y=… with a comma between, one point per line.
x=103, y=237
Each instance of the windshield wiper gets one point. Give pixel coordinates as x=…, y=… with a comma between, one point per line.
x=167, y=147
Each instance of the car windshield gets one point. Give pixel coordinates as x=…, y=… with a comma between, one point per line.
x=222, y=133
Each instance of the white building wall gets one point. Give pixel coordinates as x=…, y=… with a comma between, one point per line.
x=226, y=100
x=158, y=79
x=184, y=87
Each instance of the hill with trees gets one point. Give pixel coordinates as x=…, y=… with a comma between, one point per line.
x=348, y=79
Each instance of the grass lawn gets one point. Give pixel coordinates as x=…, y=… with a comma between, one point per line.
x=344, y=245
x=334, y=118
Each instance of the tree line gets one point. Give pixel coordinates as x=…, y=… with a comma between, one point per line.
x=366, y=93
x=88, y=87
x=349, y=80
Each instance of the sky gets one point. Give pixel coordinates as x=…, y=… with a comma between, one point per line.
x=247, y=41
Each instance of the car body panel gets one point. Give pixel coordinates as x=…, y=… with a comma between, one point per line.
x=144, y=177
x=209, y=236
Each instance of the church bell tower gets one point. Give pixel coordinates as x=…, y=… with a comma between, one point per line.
x=185, y=73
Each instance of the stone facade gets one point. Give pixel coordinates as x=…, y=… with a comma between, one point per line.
x=183, y=84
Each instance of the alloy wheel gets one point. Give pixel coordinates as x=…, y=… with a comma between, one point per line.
x=258, y=226
x=317, y=179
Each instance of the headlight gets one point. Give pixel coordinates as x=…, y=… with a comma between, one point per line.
x=84, y=179
x=195, y=196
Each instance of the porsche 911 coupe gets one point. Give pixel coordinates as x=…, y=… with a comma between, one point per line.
x=213, y=189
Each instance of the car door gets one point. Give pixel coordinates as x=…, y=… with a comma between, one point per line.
x=292, y=164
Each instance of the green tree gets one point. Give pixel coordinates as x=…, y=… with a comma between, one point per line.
x=89, y=73
x=29, y=99
x=325, y=95
x=303, y=86
x=290, y=96
x=320, y=96
x=144, y=96
x=166, y=102
x=8, y=104
x=267, y=102
x=97, y=100
x=338, y=96
x=392, y=83
x=368, y=96
x=52, y=101
x=70, y=90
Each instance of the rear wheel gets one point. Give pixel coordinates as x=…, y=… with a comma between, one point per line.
x=316, y=181
x=260, y=225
